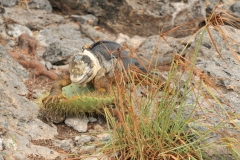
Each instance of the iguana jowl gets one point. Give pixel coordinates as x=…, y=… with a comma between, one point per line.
x=96, y=64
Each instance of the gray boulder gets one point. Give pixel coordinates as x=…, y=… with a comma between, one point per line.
x=69, y=34
x=235, y=7
x=8, y=3
x=40, y=5
x=143, y=18
x=19, y=123
x=15, y=30
x=88, y=19
x=223, y=69
x=33, y=19
x=96, y=35
x=158, y=50
x=61, y=42
x=58, y=53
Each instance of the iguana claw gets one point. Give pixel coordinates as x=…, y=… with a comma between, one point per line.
x=53, y=98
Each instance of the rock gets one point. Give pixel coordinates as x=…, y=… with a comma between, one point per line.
x=19, y=123
x=88, y=19
x=40, y=5
x=1, y=145
x=58, y=53
x=2, y=11
x=104, y=137
x=45, y=152
x=33, y=19
x=48, y=65
x=8, y=3
x=96, y=35
x=66, y=34
x=135, y=41
x=224, y=72
x=146, y=17
x=66, y=145
x=3, y=129
x=122, y=38
x=55, y=117
x=235, y=10
x=159, y=51
x=213, y=64
x=10, y=144
x=87, y=149
x=235, y=7
x=157, y=45
x=79, y=124
x=12, y=75
x=15, y=30
x=81, y=140
x=92, y=119
x=62, y=32
x=98, y=128
x=19, y=156
x=39, y=130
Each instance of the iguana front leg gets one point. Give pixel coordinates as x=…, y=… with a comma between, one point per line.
x=101, y=83
x=56, y=90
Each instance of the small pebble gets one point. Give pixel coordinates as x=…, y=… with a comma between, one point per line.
x=1, y=145
x=104, y=137
x=64, y=144
x=79, y=124
x=98, y=128
x=87, y=149
x=92, y=119
x=48, y=65
x=83, y=139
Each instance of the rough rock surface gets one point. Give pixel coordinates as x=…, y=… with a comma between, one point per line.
x=146, y=17
x=160, y=51
x=61, y=42
x=33, y=19
x=8, y=3
x=96, y=35
x=58, y=53
x=224, y=68
x=88, y=19
x=40, y=5
x=19, y=115
x=15, y=30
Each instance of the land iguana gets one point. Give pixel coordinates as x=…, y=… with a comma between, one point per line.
x=96, y=65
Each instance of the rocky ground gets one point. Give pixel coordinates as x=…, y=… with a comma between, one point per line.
x=37, y=42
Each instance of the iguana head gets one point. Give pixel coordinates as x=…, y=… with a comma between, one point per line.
x=83, y=67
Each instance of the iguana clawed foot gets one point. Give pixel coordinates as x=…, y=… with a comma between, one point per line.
x=53, y=98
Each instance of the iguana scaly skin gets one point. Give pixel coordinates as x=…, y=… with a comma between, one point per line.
x=95, y=66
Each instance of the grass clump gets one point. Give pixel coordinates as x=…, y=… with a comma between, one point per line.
x=152, y=126
x=156, y=122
